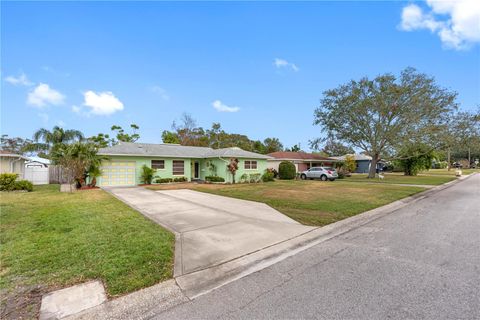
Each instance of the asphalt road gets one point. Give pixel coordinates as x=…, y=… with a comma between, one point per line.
x=420, y=262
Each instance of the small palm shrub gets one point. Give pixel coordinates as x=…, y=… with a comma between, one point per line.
x=147, y=174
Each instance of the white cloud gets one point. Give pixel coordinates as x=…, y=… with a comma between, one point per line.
x=281, y=63
x=161, y=92
x=76, y=109
x=43, y=95
x=457, y=23
x=102, y=103
x=21, y=80
x=61, y=123
x=221, y=107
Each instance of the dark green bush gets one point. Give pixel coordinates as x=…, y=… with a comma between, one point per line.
x=24, y=185
x=267, y=176
x=286, y=170
x=7, y=181
x=163, y=180
x=180, y=179
x=214, y=179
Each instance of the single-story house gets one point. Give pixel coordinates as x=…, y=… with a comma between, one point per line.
x=363, y=162
x=126, y=159
x=12, y=163
x=302, y=160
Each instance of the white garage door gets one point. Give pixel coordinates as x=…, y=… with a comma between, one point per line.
x=118, y=173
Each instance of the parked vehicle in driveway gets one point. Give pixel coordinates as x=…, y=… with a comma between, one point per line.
x=322, y=173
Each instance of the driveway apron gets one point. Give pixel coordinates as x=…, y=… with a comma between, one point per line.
x=210, y=229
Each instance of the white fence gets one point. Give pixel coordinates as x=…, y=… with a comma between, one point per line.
x=37, y=175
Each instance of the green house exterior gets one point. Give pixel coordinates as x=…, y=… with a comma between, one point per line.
x=124, y=163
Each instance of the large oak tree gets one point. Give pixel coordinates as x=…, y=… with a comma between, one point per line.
x=380, y=115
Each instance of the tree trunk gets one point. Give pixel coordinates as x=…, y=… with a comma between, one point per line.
x=448, y=159
x=373, y=166
x=469, y=157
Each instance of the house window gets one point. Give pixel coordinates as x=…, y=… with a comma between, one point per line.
x=178, y=168
x=158, y=164
x=250, y=164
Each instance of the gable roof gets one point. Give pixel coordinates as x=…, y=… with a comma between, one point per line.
x=4, y=153
x=288, y=155
x=175, y=151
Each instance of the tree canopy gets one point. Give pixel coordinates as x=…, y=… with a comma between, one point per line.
x=187, y=133
x=382, y=114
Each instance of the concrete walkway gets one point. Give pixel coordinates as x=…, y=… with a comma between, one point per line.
x=211, y=230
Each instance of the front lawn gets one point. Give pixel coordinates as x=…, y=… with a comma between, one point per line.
x=51, y=240
x=445, y=172
x=400, y=178
x=313, y=203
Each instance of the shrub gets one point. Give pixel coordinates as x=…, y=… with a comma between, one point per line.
x=7, y=181
x=147, y=174
x=163, y=180
x=273, y=171
x=286, y=170
x=255, y=177
x=214, y=179
x=244, y=178
x=267, y=176
x=24, y=185
x=180, y=179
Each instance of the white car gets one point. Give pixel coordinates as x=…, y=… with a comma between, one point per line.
x=322, y=173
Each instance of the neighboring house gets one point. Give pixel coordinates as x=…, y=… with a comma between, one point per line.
x=37, y=162
x=12, y=163
x=363, y=162
x=126, y=159
x=302, y=160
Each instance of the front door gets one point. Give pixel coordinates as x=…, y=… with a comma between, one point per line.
x=196, y=170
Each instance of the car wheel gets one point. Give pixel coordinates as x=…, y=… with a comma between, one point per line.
x=303, y=177
x=323, y=177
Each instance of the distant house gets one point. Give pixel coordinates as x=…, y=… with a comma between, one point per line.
x=363, y=162
x=125, y=162
x=302, y=160
x=12, y=163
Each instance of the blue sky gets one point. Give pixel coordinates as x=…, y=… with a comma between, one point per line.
x=94, y=64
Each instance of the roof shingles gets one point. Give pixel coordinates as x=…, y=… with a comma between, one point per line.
x=175, y=150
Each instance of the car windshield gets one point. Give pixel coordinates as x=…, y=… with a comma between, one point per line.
x=329, y=168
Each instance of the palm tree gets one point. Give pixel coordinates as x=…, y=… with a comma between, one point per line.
x=46, y=140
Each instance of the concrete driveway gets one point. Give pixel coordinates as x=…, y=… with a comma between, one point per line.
x=210, y=229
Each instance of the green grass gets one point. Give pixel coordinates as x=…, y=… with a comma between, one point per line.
x=314, y=203
x=52, y=240
x=399, y=178
x=445, y=172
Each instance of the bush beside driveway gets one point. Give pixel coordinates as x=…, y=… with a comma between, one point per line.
x=51, y=240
